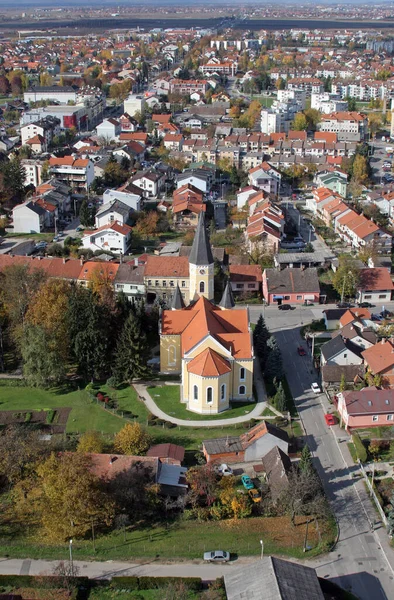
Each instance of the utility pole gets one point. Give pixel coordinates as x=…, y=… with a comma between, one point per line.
x=71, y=555
x=306, y=535
x=262, y=549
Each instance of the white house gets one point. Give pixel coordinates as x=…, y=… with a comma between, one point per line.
x=244, y=194
x=133, y=104
x=152, y=183
x=109, y=129
x=129, y=279
x=28, y=218
x=47, y=128
x=75, y=172
x=114, y=238
x=113, y=211
x=32, y=169
x=266, y=178
x=133, y=201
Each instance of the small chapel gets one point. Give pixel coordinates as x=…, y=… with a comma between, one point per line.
x=209, y=345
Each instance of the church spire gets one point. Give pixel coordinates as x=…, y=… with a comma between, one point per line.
x=201, y=253
x=227, y=300
x=177, y=301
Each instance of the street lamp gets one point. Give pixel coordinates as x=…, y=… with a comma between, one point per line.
x=262, y=549
x=71, y=554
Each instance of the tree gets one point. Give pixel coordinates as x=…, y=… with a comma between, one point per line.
x=351, y=103
x=132, y=439
x=13, y=179
x=300, y=123
x=390, y=516
x=273, y=365
x=20, y=451
x=147, y=223
x=48, y=309
x=101, y=283
x=132, y=351
x=86, y=214
x=304, y=495
x=43, y=363
x=18, y=286
x=65, y=497
x=313, y=118
x=305, y=463
x=280, y=398
x=89, y=325
x=343, y=385
x=346, y=277
x=203, y=486
x=4, y=86
x=360, y=169
x=261, y=336
x=91, y=441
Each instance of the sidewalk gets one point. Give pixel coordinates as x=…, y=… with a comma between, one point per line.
x=261, y=405
x=379, y=531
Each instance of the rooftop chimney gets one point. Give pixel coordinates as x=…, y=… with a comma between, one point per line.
x=82, y=259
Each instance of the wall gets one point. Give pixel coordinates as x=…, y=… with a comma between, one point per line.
x=25, y=221
x=203, y=383
x=295, y=298
x=170, y=347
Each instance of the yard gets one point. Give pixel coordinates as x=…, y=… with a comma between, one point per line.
x=180, y=539
x=167, y=397
x=86, y=415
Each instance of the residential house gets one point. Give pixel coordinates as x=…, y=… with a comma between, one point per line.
x=163, y=275
x=32, y=169
x=198, y=178
x=291, y=286
x=167, y=453
x=108, y=129
x=245, y=279
x=114, y=237
x=46, y=128
x=369, y=407
x=132, y=200
x=28, y=217
x=332, y=179
x=272, y=578
x=251, y=446
x=186, y=211
x=379, y=360
x=374, y=286
x=276, y=467
x=75, y=172
x=93, y=268
x=151, y=183
x=113, y=211
x=244, y=194
x=349, y=126
x=358, y=231
x=265, y=178
x=341, y=351
x=129, y=280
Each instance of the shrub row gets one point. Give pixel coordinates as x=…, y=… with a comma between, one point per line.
x=360, y=448
x=152, y=583
x=13, y=382
x=50, y=416
x=42, y=581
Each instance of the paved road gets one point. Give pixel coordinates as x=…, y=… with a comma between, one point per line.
x=306, y=232
x=358, y=560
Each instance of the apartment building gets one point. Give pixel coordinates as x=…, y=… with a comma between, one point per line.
x=189, y=86
x=347, y=125
x=32, y=169
x=75, y=172
x=46, y=129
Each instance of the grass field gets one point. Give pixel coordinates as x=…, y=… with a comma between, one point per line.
x=167, y=397
x=108, y=594
x=46, y=237
x=180, y=539
x=86, y=416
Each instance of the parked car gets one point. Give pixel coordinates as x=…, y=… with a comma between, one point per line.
x=41, y=245
x=386, y=313
x=376, y=317
x=285, y=307
x=366, y=305
x=217, y=556
x=330, y=419
x=316, y=388
x=247, y=482
x=225, y=470
x=344, y=305
x=80, y=228
x=255, y=495
x=301, y=351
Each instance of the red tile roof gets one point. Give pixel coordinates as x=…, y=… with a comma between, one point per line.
x=375, y=279
x=167, y=266
x=380, y=357
x=209, y=364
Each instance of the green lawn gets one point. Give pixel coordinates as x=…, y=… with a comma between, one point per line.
x=86, y=416
x=111, y=594
x=167, y=397
x=186, y=539
x=46, y=237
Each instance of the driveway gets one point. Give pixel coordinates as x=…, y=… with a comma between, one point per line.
x=360, y=560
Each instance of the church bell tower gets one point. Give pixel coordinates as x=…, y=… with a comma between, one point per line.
x=201, y=263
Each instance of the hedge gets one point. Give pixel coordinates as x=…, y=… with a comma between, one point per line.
x=42, y=581
x=151, y=583
x=360, y=448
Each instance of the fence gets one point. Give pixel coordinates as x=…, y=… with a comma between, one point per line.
x=373, y=494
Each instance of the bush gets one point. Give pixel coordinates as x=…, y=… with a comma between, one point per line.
x=160, y=422
x=112, y=383
x=360, y=448
x=125, y=583
x=50, y=416
x=27, y=417
x=169, y=425
x=151, y=583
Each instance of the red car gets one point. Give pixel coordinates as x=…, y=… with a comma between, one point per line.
x=301, y=351
x=330, y=419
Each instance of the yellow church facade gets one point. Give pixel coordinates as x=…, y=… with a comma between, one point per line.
x=209, y=346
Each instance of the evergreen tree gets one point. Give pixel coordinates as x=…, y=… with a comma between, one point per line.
x=89, y=324
x=43, y=363
x=86, y=214
x=261, y=336
x=132, y=351
x=280, y=398
x=273, y=365
x=305, y=463
x=342, y=385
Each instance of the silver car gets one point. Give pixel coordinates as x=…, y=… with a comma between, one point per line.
x=217, y=556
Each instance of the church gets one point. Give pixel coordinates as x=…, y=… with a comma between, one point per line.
x=209, y=345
